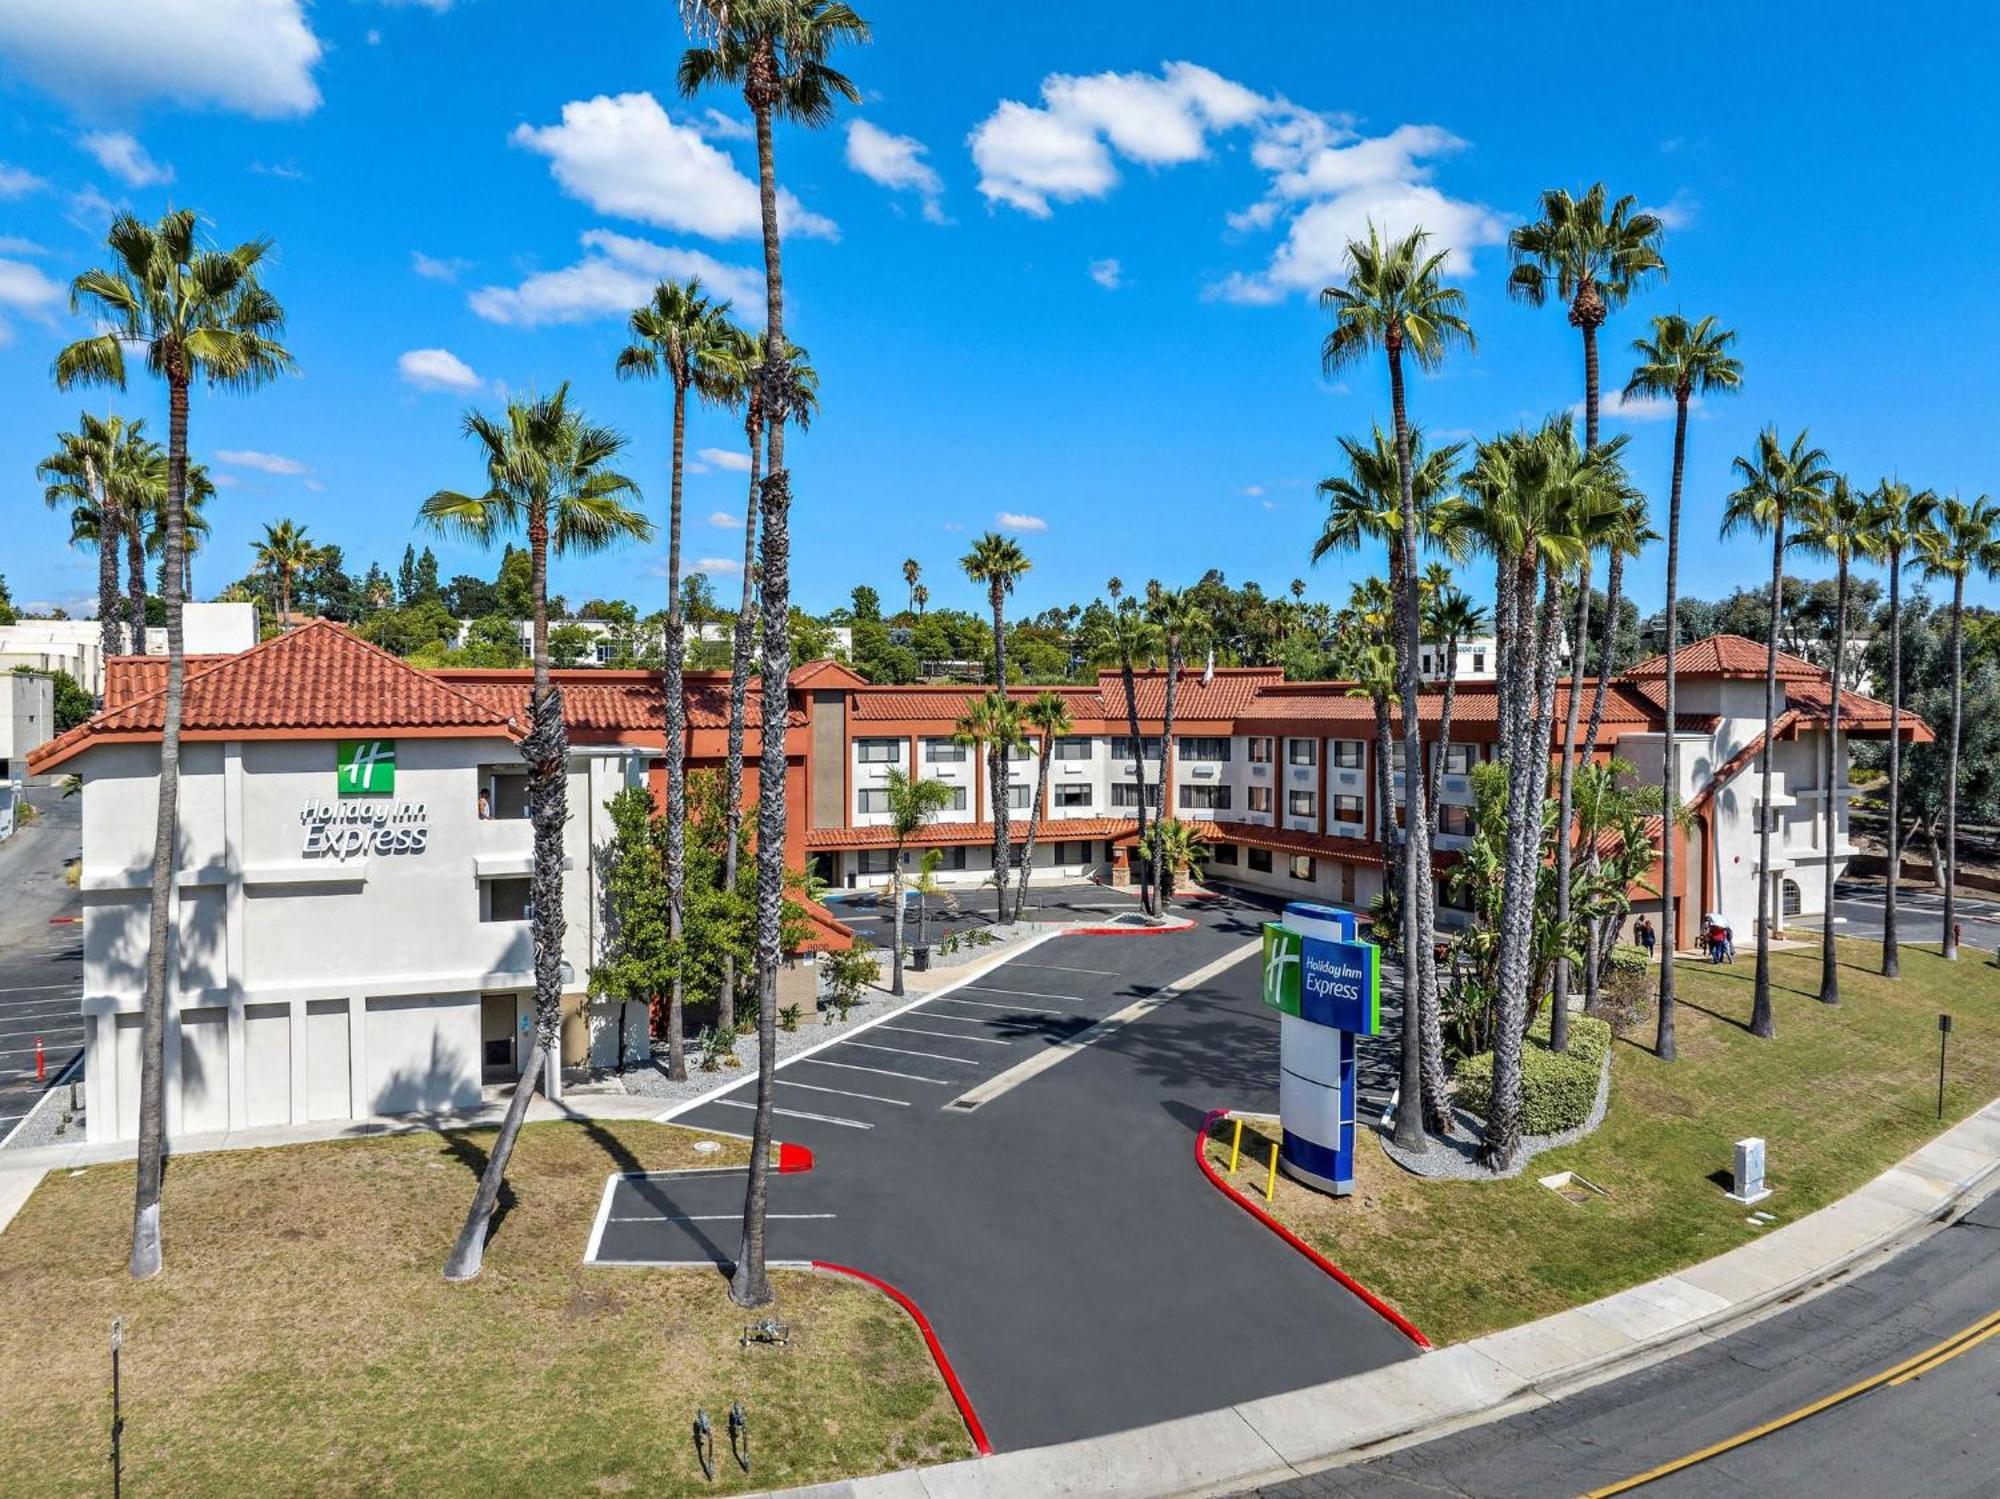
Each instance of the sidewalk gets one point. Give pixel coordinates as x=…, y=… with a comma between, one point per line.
x=1272, y=1440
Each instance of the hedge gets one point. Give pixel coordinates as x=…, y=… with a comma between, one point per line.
x=1556, y=1090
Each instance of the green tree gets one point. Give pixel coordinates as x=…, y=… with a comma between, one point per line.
x=8, y=613
x=515, y=584
x=98, y=473
x=547, y=472
x=992, y=724
x=999, y=563
x=285, y=552
x=1394, y=299
x=912, y=571
x=195, y=312
x=913, y=803
x=1894, y=517
x=1048, y=715
x=1122, y=633
x=776, y=52
x=638, y=946
x=1777, y=481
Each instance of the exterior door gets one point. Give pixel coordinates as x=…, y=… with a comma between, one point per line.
x=497, y=1031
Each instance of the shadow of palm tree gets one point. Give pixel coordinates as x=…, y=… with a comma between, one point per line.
x=461, y=1147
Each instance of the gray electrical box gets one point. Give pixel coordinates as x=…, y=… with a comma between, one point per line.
x=1749, y=1172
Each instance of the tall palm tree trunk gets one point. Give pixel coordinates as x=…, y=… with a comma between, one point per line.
x=750, y=1285
x=739, y=689
x=151, y=1173
x=1829, y=962
x=896, y=919
x=674, y=683
x=1614, y=577
x=1670, y=749
x=1566, y=803
x=1762, y=1021
x=1162, y=874
x=1950, y=865
x=135, y=587
x=1891, y=957
x=1140, y=851
x=998, y=772
x=1034, y=818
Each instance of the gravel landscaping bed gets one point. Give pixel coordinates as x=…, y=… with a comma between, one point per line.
x=1455, y=1155
x=44, y=1124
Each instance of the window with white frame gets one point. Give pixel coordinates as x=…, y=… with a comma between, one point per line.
x=1460, y=758
x=1072, y=796
x=509, y=899
x=1304, y=868
x=1454, y=821
x=1260, y=798
x=876, y=860
x=1301, y=803
x=1025, y=750
x=1302, y=751
x=1019, y=796
x=943, y=752
x=1203, y=748
x=879, y=751
x=1260, y=860
x=1222, y=853
x=1124, y=793
x=1348, y=753
x=871, y=799
x=1259, y=750
x=1478, y=661
x=1073, y=747
x=1122, y=747
x=957, y=802
x=1347, y=809
x=1204, y=798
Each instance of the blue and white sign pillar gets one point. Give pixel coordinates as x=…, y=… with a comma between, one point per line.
x=1326, y=986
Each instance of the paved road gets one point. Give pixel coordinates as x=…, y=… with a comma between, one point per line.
x=1919, y=915
x=977, y=906
x=41, y=965
x=1930, y=1435
x=1081, y=1273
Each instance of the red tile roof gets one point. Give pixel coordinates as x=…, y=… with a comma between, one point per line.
x=1725, y=656
x=1858, y=714
x=945, y=706
x=826, y=932
x=825, y=674
x=1226, y=695
x=599, y=701
x=1289, y=841
x=127, y=678
x=951, y=834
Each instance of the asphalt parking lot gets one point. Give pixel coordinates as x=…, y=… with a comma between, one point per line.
x=41, y=957
x=1011, y=1198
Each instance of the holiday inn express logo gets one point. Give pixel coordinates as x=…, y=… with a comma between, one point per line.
x=366, y=767
x=1282, y=947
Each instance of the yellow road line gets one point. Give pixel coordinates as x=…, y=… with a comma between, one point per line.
x=1936, y=1354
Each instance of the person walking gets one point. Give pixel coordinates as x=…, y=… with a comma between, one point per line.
x=1647, y=938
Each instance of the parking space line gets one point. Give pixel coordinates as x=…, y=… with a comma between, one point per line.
x=710, y=1217
x=901, y=1051
x=935, y=1082
x=953, y=999
x=39, y=988
x=900, y=1103
x=733, y=1103
x=911, y=1030
x=1103, y=973
x=1024, y=993
x=971, y=1019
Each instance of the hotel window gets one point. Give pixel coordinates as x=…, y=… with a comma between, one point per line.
x=1124, y=794
x=509, y=899
x=1204, y=798
x=1202, y=748
x=1259, y=751
x=1302, y=751
x=1222, y=853
x=876, y=860
x=943, y=752
x=1426, y=667
x=875, y=800
x=1019, y=796
x=1260, y=860
x=1073, y=747
x=1303, y=868
x=605, y=651
x=1074, y=851
x=879, y=751
x=954, y=858
x=1022, y=751
x=1300, y=803
x=957, y=802
x=1453, y=821
x=1347, y=753
x=1347, y=809
x=1260, y=798
x=506, y=791
x=1453, y=897
x=1121, y=747
x=1478, y=661
x=1072, y=796
x=1460, y=758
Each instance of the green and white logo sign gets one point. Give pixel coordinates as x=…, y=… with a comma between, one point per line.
x=366, y=767
x=1282, y=947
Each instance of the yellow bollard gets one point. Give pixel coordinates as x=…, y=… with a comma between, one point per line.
x=1271, y=1181
x=1235, y=1147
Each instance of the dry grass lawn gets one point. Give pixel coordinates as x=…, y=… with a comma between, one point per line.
x=1839, y=1096
x=302, y=1340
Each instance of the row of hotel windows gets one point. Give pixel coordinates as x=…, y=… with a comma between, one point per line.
x=1346, y=754
x=1453, y=820
x=883, y=860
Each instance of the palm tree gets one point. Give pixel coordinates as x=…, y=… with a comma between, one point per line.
x=1777, y=483
x=196, y=312
x=919, y=596
x=775, y=51
x=1395, y=299
x=682, y=334
x=90, y=475
x=1180, y=621
x=1177, y=845
x=1451, y=619
x=284, y=553
x=1592, y=260
x=994, y=722
x=1048, y=715
x=548, y=472
x=1834, y=525
x=1123, y=633
x=913, y=802
x=1894, y=517
x=1958, y=537
x=740, y=372
x=1681, y=360
x=912, y=570
x=998, y=562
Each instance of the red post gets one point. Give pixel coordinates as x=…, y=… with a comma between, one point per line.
x=41, y=1064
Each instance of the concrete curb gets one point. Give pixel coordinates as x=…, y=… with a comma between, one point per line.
x=1305, y=1431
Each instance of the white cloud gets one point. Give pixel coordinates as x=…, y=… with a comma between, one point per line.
x=120, y=154
x=1062, y=149
x=13, y=244
x=433, y=268
x=1010, y=520
x=1616, y=406
x=1107, y=274
x=264, y=463
x=738, y=463
x=1678, y=212
x=252, y=56
x=25, y=291
x=1253, y=490
x=717, y=565
x=722, y=520
x=284, y=170
x=1313, y=253
x=1270, y=504
x=373, y=37
x=726, y=127
x=624, y=155
x=895, y=162
x=437, y=6
x=18, y=182
x=90, y=210
x=616, y=274
x=436, y=369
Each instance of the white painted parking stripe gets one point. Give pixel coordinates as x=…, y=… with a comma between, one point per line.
x=42, y=988
x=843, y=1093
x=911, y=1030
x=1103, y=973
x=1024, y=993
x=935, y=1082
x=709, y=1217
x=965, y=1019
x=901, y=1051
x=953, y=999
x=733, y=1103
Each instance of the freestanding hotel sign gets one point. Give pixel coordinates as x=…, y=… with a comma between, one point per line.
x=1326, y=986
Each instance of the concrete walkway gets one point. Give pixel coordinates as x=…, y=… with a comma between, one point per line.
x=1269, y=1441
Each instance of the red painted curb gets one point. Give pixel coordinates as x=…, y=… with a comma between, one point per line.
x=1382, y=1308
x=793, y=1158
x=64, y=920
x=958, y=1395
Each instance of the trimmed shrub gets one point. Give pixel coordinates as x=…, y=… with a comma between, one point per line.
x=1556, y=1091
x=1589, y=1037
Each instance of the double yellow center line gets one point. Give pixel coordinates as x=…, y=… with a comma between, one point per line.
x=1922, y=1363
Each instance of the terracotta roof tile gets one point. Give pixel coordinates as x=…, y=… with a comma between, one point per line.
x=128, y=678
x=1224, y=696
x=1858, y=713
x=1292, y=841
x=947, y=705
x=1725, y=656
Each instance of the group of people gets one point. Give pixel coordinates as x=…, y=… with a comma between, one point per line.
x=1716, y=937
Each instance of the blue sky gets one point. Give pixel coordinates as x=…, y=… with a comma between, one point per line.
x=1060, y=274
